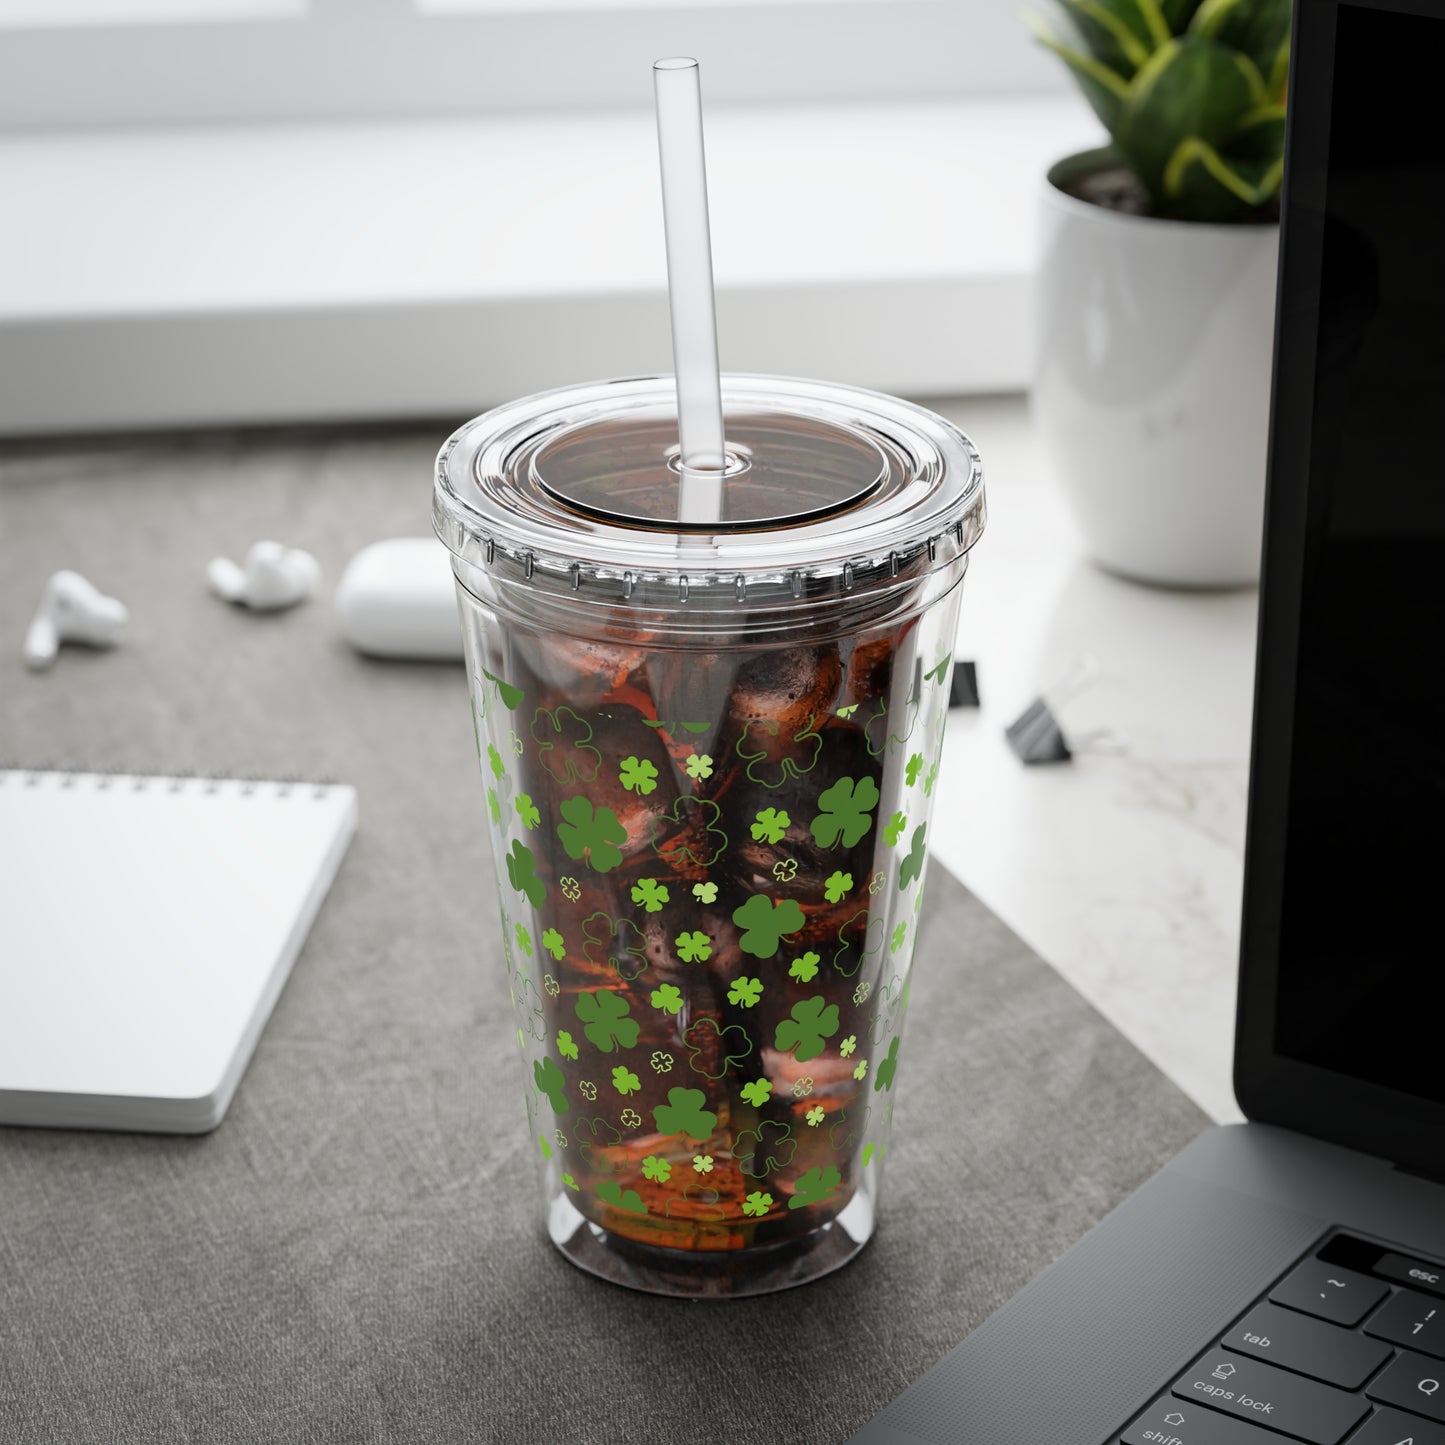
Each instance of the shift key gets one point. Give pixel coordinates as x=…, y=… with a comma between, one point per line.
x=1249, y=1390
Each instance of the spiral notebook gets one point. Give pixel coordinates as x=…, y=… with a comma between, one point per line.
x=147, y=927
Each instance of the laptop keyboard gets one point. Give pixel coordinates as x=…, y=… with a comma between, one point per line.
x=1348, y=1348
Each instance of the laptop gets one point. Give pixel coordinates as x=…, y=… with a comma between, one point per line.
x=1284, y=1279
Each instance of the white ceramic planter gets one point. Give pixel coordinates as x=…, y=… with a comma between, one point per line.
x=1152, y=377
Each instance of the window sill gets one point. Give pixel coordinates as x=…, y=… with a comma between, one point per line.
x=185, y=277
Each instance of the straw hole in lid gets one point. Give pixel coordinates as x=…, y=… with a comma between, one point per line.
x=491, y=550
x=628, y=582
x=529, y=564
x=893, y=564
x=847, y=576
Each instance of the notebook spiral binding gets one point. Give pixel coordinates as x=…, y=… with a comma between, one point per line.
x=242, y=784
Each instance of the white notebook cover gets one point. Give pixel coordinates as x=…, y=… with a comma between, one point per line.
x=147, y=927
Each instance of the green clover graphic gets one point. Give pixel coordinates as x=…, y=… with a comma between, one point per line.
x=847, y=809
x=625, y=1081
x=658, y=1170
x=894, y=829
x=605, y=1020
x=772, y=762
x=705, y=892
x=765, y=924
x=637, y=775
x=713, y=1050
x=566, y=1044
x=912, y=866
x=591, y=833
x=511, y=696
x=527, y=811
x=770, y=825
x=915, y=766
x=565, y=748
x=650, y=893
x=860, y=941
x=616, y=943
x=667, y=998
x=699, y=765
x=684, y=1114
x=804, y=969
x=768, y=1147
x=883, y=1079
x=837, y=887
x=745, y=992
x=758, y=1202
x=757, y=1093
x=693, y=947
x=687, y=834
x=551, y=1084
x=611, y=1192
x=804, y=1035
x=815, y=1186
x=554, y=943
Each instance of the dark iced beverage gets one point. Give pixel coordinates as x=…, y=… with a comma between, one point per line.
x=709, y=784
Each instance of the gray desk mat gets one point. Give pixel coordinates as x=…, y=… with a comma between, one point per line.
x=357, y=1253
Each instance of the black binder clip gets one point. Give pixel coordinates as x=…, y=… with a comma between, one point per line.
x=1036, y=735
x=963, y=685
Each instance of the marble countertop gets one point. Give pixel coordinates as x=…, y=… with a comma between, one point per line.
x=1124, y=867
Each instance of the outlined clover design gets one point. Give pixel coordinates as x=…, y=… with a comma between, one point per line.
x=684, y=1114
x=760, y=1151
x=687, y=834
x=845, y=812
x=698, y=1203
x=771, y=762
x=860, y=941
x=805, y=1034
x=615, y=943
x=765, y=924
x=591, y=833
x=564, y=745
x=713, y=1050
x=595, y=1137
x=882, y=737
x=528, y=1003
x=815, y=1186
x=605, y=1020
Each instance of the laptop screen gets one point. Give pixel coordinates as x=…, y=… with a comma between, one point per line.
x=1361, y=928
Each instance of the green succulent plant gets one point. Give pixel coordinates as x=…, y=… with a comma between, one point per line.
x=1192, y=93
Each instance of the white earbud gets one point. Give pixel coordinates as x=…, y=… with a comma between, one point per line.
x=72, y=610
x=273, y=577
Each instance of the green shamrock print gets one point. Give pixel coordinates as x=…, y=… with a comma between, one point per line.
x=770, y=825
x=544, y=1146
x=843, y=1135
x=803, y=1087
x=804, y=969
x=878, y=734
x=495, y=763
x=616, y=942
x=693, y=947
x=611, y=1192
x=650, y=894
x=838, y=887
x=684, y=1114
x=894, y=831
x=699, y=765
x=912, y=865
x=876, y=883
x=705, y=892
x=527, y=811
x=860, y=942
x=768, y=1147
x=785, y=870
x=524, y=940
x=887, y=1069
x=637, y=775
x=930, y=780
x=915, y=766
x=757, y=1092
x=511, y=696
x=758, y=1203
x=848, y=1045
x=631, y=1119
x=848, y=711
x=655, y=1169
x=551, y=985
x=571, y=888
x=899, y=934
x=494, y=806
x=667, y=998
x=564, y=745
x=566, y=1044
x=765, y=925
x=604, y=1016
x=661, y=1062
x=570, y=1182
x=745, y=992
x=588, y=1090
x=596, y=1138
x=815, y=1186
x=687, y=834
x=625, y=1081
x=814, y=1116
x=803, y=1035
x=554, y=943
x=702, y=1163
x=868, y=1152
x=522, y=873
x=713, y=1050
x=939, y=671
x=847, y=812
x=760, y=743
x=551, y=1084
x=861, y=1072
x=591, y=833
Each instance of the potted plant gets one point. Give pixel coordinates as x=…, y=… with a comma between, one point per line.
x=1155, y=300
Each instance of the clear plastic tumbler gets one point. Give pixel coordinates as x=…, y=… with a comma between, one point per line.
x=709, y=754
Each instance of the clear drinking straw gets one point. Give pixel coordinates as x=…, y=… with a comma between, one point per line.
x=689, y=289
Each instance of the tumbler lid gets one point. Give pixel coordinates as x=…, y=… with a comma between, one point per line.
x=579, y=488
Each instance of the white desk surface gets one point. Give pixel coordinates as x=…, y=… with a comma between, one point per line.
x=1123, y=870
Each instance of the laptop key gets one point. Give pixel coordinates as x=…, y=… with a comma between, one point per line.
x=1390, y=1427
x=1329, y=1292
x=1310, y=1347
x=1289, y=1403
x=1417, y=1272
x=1173, y=1422
x=1414, y=1320
x=1413, y=1383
